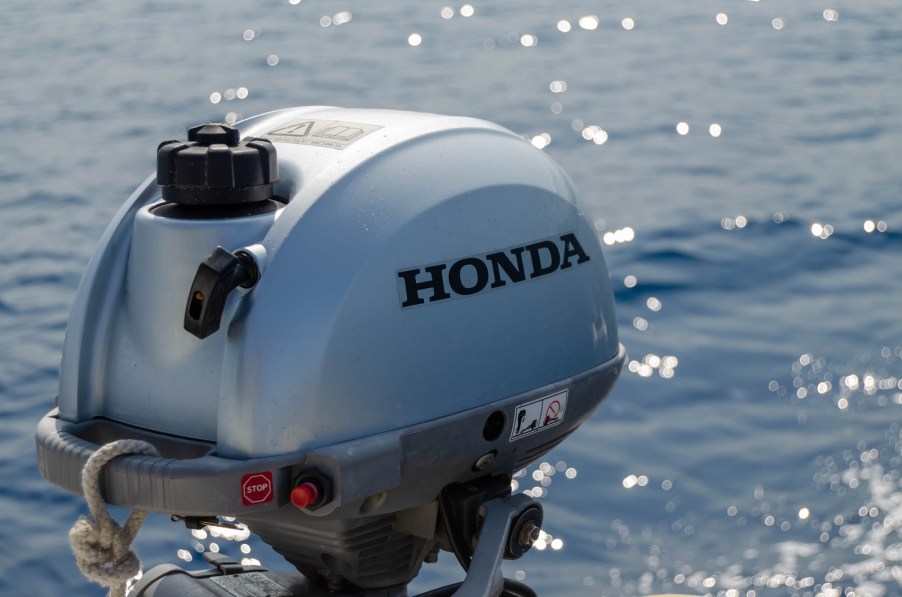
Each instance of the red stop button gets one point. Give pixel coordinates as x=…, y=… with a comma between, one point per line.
x=256, y=488
x=305, y=494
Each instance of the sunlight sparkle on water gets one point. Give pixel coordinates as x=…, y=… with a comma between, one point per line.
x=558, y=86
x=541, y=141
x=543, y=475
x=529, y=40
x=447, y=12
x=831, y=15
x=589, y=22
x=628, y=24
x=229, y=94
x=822, y=231
x=682, y=128
x=777, y=23
x=665, y=366
x=542, y=542
x=870, y=226
x=272, y=60
x=739, y=222
x=644, y=370
x=635, y=481
x=595, y=133
x=467, y=10
x=342, y=17
x=240, y=533
x=722, y=18
x=715, y=130
x=623, y=235
x=564, y=26
x=415, y=39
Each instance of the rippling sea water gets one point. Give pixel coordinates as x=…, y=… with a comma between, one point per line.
x=740, y=159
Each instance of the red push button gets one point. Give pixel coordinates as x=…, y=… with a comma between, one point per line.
x=305, y=494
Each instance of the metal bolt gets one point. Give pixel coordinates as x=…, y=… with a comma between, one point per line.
x=529, y=534
x=484, y=461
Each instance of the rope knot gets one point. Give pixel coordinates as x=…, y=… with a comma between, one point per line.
x=103, y=547
x=103, y=554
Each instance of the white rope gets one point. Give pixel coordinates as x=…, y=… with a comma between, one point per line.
x=102, y=547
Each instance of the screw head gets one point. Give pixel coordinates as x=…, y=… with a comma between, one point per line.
x=484, y=461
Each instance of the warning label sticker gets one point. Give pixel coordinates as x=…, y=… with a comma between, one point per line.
x=538, y=415
x=256, y=488
x=250, y=584
x=334, y=134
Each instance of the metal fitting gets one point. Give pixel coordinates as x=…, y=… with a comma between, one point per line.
x=529, y=534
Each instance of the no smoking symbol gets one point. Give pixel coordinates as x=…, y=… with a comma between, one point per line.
x=552, y=412
x=256, y=488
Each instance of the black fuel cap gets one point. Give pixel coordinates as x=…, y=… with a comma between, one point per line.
x=213, y=167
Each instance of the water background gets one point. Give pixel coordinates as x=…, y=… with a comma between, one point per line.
x=763, y=460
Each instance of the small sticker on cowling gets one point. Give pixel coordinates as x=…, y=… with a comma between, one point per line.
x=256, y=488
x=333, y=134
x=539, y=415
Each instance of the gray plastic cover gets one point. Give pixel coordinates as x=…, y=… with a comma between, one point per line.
x=334, y=344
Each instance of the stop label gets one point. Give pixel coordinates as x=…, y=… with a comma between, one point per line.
x=256, y=488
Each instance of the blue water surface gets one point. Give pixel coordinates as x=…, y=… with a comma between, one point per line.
x=740, y=159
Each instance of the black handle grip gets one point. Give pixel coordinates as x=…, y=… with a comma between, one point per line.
x=218, y=275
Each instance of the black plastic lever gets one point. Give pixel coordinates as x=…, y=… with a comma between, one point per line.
x=218, y=275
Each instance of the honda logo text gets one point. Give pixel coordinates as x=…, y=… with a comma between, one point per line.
x=471, y=275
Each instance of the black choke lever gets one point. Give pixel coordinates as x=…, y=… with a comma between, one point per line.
x=218, y=275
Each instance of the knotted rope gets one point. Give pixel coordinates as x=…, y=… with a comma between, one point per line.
x=102, y=547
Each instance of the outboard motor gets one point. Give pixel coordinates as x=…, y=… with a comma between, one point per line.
x=346, y=328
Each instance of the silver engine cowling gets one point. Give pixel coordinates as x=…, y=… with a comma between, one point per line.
x=426, y=305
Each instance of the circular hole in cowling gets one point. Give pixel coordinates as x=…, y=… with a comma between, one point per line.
x=494, y=426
